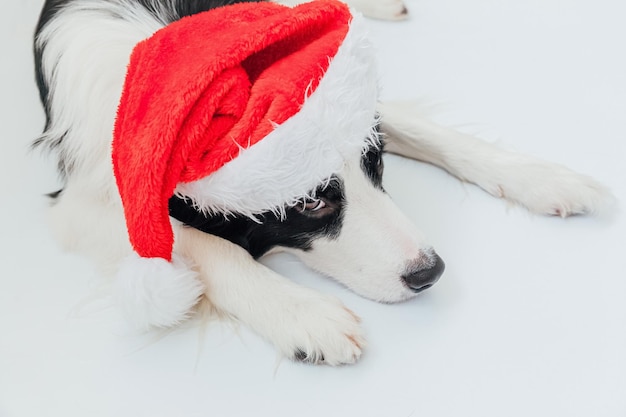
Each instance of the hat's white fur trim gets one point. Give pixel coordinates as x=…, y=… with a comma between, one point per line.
x=155, y=293
x=335, y=121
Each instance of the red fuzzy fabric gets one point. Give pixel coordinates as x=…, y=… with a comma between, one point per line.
x=205, y=86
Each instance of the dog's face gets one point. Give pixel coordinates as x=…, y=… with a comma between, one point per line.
x=351, y=231
x=377, y=251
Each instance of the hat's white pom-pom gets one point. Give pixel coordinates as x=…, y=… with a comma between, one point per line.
x=153, y=292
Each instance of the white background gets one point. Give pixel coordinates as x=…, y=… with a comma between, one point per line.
x=528, y=320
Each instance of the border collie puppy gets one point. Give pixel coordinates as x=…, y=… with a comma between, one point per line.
x=345, y=227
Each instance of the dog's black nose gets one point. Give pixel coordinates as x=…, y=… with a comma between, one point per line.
x=425, y=278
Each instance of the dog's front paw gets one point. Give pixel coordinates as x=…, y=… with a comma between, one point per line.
x=320, y=330
x=551, y=189
x=381, y=9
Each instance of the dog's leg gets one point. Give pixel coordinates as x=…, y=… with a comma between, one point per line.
x=303, y=324
x=542, y=187
x=376, y=9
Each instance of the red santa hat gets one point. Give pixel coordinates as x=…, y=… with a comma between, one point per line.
x=247, y=109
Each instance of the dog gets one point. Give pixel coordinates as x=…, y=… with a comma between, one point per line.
x=348, y=228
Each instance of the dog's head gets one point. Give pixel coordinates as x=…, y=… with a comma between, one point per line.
x=351, y=230
x=250, y=134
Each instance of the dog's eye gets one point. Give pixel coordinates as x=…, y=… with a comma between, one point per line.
x=313, y=205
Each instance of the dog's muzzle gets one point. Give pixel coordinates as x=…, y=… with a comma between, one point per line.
x=425, y=278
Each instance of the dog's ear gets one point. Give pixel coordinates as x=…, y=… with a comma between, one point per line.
x=372, y=164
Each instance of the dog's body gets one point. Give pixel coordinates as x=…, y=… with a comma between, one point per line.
x=351, y=232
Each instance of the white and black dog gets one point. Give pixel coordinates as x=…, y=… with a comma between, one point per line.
x=352, y=231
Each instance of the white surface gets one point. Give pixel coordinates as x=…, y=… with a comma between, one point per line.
x=528, y=320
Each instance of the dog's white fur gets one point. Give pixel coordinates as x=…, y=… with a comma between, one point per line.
x=85, y=59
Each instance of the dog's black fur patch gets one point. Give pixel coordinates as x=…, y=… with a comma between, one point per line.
x=298, y=229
